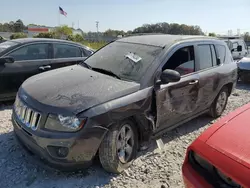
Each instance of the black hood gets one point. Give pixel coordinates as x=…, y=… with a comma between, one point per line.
x=74, y=89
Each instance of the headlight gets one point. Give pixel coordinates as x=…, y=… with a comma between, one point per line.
x=220, y=179
x=200, y=161
x=64, y=123
x=69, y=122
x=227, y=180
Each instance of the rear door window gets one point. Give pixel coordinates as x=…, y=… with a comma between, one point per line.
x=221, y=52
x=205, y=56
x=66, y=51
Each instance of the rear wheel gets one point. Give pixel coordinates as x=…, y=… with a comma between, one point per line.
x=220, y=103
x=119, y=147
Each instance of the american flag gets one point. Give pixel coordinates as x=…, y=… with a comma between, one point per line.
x=62, y=11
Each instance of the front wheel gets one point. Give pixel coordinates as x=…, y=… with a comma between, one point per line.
x=220, y=103
x=119, y=147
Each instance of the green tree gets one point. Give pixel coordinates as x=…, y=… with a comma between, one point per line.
x=212, y=34
x=246, y=36
x=18, y=26
x=45, y=35
x=71, y=37
x=18, y=35
x=173, y=28
x=78, y=38
x=113, y=33
x=63, y=31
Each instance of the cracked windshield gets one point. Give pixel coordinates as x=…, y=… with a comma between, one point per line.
x=124, y=94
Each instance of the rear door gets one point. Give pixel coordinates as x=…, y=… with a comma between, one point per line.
x=207, y=68
x=65, y=54
x=29, y=59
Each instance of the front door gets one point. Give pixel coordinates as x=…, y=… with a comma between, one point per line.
x=178, y=101
x=29, y=60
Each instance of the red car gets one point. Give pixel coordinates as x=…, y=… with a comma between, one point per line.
x=220, y=157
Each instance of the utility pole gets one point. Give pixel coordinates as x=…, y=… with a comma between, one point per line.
x=78, y=24
x=97, y=25
x=73, y=25
x=238, y=32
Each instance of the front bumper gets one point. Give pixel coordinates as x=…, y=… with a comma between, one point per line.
x=80, y=149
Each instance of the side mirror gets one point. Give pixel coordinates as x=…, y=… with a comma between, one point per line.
x=4, y=60
x=169, y=76
x=239, y=48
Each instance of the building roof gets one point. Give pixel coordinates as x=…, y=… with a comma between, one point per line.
x=161, y=40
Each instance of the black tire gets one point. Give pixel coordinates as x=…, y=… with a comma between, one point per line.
x=108, y=152
x=214, y=112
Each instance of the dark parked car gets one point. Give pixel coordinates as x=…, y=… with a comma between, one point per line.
x=22, y=58
x=130, y=91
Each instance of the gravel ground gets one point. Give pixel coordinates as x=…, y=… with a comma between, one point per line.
x=152, y=168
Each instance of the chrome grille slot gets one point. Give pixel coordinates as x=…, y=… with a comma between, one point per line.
x=29, y=117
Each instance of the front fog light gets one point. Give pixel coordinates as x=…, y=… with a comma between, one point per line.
x=62, y=151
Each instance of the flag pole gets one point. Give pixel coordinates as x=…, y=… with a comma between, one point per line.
x=58, y=18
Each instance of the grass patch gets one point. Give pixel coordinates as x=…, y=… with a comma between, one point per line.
x=94, y=45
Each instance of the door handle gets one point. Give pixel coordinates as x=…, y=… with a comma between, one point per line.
x=45, y=67
x=193, y=82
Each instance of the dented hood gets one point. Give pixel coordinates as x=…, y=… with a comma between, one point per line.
x=233, y=138
x=75, y=88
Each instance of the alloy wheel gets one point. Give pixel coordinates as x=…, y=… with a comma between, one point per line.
x=125, y=143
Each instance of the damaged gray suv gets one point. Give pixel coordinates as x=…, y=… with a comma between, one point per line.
x=132, y=90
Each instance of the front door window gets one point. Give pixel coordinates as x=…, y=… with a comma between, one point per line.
x=31, y=52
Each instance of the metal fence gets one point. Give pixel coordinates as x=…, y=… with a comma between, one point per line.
x=99, y=38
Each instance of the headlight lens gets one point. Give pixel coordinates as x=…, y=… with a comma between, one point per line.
x=210, y=169
x=227, y=180
x=64, y=123
x=69, y=122
x=200, y=161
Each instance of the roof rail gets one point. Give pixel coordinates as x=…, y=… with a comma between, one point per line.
x=139, y=34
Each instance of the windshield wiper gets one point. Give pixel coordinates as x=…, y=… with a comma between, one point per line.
x=85, y=65
x=104, y=71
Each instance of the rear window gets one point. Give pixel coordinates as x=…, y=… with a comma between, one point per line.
x=221, y=52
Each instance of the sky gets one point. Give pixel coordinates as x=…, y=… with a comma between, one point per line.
x=217, y=16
